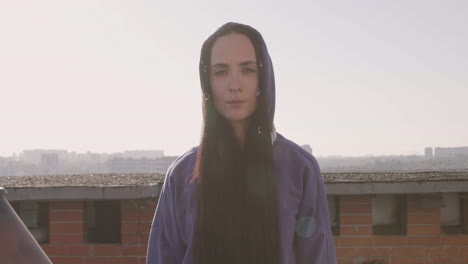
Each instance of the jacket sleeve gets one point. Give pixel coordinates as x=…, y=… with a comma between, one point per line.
x=164, y=238
x=314, y=243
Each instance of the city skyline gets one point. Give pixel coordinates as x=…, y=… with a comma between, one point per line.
x=352, y=79
x=161, y=153
x=62, y=162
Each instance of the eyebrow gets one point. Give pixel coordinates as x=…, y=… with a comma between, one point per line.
x=224, y=65
x=247, y=63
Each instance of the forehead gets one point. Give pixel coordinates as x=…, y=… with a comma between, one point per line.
x=231, y=49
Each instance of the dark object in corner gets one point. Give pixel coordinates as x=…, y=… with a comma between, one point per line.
x=17, y=245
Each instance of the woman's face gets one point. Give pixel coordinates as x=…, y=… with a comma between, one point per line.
x=234, y=78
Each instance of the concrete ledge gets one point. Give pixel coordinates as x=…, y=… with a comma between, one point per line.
x=82, y=193
x=137, y=186
x=395, y=187
x=139, y=192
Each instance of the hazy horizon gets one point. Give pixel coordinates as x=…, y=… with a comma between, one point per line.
x=178, y=154
x=352, y=78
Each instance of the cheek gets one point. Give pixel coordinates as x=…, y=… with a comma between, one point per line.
x=217, y=94
x=252, y=85
x=255, y=101
x=252, y=94
x=218, y=83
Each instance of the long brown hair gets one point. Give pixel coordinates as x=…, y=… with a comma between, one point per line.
x=237, y=212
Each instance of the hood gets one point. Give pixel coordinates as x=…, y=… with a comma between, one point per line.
x=266, y=74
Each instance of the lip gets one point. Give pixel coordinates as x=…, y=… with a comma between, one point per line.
x=236, y=103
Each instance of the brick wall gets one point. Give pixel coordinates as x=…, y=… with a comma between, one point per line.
x=67, y=238
x=424, y=242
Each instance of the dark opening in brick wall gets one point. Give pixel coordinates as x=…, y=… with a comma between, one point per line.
x=333, y=208
x=103, y=222
x=389, y=213
x=35, y=216
x=452, y=213
x=375, y=261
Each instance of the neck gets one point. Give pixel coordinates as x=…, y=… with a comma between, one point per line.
x=240, y=131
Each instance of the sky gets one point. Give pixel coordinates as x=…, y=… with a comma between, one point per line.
x=353, y=78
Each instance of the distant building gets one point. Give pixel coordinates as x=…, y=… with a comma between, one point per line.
x=450, y=152
x=140, y=154
x=428, y=153
x=87, y=157
x=19, y=168
x=142, y=165
x=50, y=163
x=307, y=148
x=35, y=155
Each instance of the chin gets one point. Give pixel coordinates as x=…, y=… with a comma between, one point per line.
x=237, y=118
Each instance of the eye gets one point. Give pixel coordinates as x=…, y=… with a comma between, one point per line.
x=248, y=70
x=220, y=72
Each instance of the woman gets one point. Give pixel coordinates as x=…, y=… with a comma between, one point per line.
x=246, y=194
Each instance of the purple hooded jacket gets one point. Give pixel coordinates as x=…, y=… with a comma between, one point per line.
x=306, y=236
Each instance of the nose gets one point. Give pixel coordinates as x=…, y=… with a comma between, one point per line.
x=234, y=83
